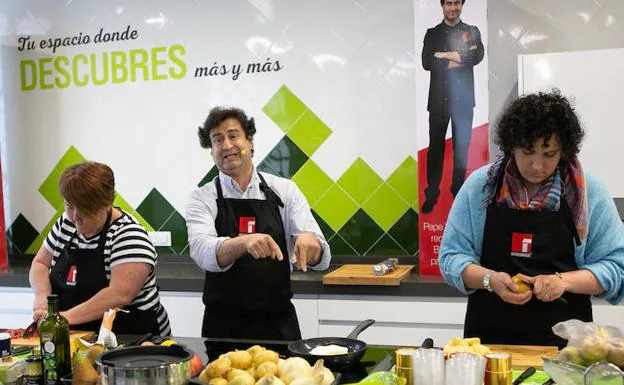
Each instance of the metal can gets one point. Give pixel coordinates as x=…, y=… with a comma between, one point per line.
x=5, y=347
x=498, y=369
x=404, y=359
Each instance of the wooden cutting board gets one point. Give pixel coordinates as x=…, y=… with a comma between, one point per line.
x=34, y=341
x=363, y=275
x=523, y=356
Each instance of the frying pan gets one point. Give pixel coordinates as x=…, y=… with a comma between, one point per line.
x=356, y=348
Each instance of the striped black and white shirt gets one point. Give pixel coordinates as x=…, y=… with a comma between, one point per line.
x=126, y=241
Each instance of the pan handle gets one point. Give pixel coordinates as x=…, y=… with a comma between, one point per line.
x=360, y=328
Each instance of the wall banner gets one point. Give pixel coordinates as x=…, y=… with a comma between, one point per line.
x=452, y=110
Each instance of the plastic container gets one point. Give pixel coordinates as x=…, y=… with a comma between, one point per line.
x=565, y=373
x=11, y=373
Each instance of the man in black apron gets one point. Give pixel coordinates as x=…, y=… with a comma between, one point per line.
x=252, y=299
x=552, y=235
x=79, y=274
x=247, y=288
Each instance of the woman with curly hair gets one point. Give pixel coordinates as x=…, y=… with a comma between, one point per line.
x=536, y=213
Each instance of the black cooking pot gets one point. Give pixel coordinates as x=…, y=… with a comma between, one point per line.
x=356, y=348
x=146, y=365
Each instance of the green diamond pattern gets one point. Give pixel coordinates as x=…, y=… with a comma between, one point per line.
x=404, y=180
x=177, y=226
x=309, y=132
x=405, y=231
x=155, y=209
x=214, y=171
x=385, y=207
x=122, y=204
x=335, y=207
x=285, y=159
x=386, y=246
x=312, y=181
x=21, y=234
x=284, y=108
x=36, y=245
x=49, y=188
x=339, y=246
x=360, y=181
x=325, y=228
x=361, y=232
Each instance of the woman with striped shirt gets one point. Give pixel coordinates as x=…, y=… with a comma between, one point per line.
x=98, y=257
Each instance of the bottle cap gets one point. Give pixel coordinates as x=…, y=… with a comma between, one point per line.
x=53, y=298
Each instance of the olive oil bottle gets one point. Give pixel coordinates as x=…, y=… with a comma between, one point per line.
x=54, y=336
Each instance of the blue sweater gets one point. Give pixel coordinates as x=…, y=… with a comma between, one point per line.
x=602, y=253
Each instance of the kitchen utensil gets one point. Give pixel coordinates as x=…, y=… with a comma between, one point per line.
x=603, y=373
x=528, y=372
x=564, y=373
x=354, y=274
x=146, y=365
x=356, y=348
x=31, y=330
x=19, y=350
x=550, y=381
x=427, y=343
x=560, y=300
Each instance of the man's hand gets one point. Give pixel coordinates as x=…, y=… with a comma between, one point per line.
x=546, y=288
x=505, y=288
x=453, y=64
x=307, y=250
x=262, y=246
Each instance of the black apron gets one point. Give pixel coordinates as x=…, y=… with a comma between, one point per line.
x=79, y=274
x=251, y=300
x=531, y=243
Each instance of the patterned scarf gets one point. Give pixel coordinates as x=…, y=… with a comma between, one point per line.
x=513, y=192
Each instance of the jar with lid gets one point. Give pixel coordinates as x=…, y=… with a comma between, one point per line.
x=34, y=371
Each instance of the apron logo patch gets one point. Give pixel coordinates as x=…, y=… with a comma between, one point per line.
x=71, y=276
x=521, y=245
x=246, y=225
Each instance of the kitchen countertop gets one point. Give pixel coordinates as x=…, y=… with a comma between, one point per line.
x=376, y=358
x=179, y=273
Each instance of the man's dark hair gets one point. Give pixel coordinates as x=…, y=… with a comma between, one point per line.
x=536, y=116
x=442, y=2
x=217, y=116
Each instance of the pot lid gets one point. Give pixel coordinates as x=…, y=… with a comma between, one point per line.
x=145, y=357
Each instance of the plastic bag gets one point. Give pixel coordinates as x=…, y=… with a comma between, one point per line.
x=589, y=342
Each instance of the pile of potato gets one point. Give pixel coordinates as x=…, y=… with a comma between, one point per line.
x=260, y=366
x=594, y=348
x=466, y=345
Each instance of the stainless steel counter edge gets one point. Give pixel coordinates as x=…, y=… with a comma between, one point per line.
x=179, y=273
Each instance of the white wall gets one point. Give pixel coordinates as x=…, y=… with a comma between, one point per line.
x=594, y=81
